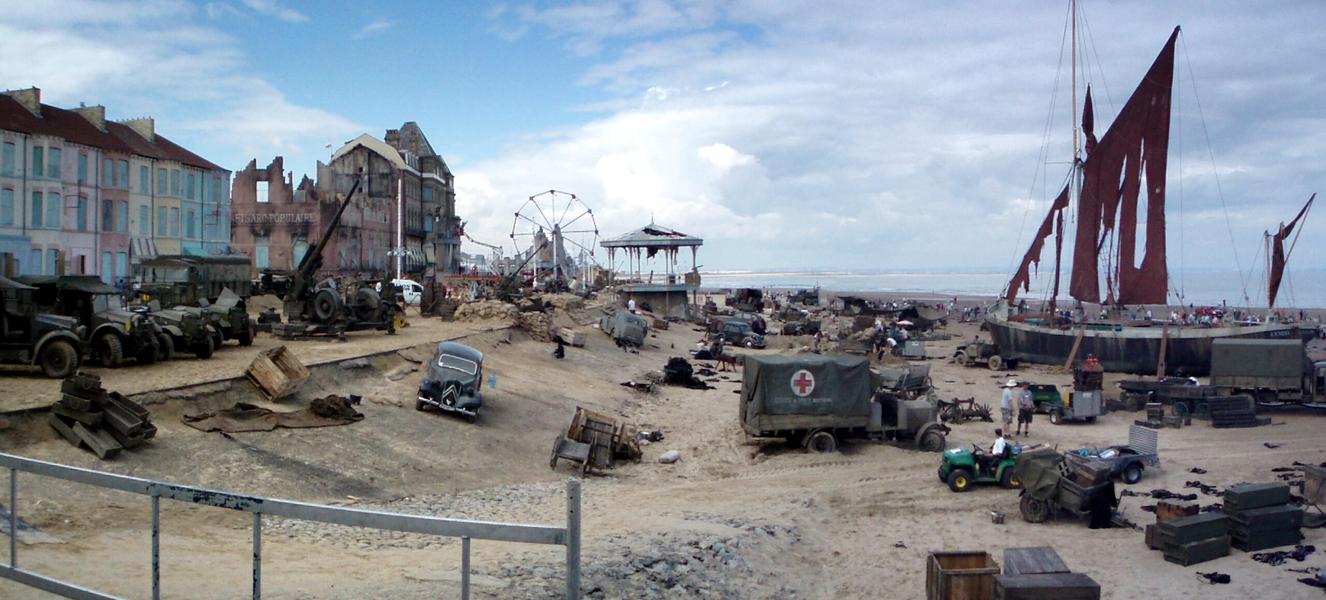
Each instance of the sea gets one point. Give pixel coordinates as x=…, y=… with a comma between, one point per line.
x=1303, y=288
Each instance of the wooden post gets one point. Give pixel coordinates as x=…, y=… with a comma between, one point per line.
x=1164, y=345
x=1077, y=343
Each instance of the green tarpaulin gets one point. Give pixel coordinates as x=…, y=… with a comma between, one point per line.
x=805, y=391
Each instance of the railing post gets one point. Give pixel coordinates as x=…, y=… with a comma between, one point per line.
x=156, y=547
x=13, y=518
x=257, y=555
x=572, y=539
x=464, y=567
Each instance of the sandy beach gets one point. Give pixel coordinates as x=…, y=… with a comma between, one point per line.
x=733, y=518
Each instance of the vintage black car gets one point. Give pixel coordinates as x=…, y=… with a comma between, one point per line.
x=451, y=381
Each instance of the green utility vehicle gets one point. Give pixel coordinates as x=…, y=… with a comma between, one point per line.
x=216, y=286
x=28, y=337
x=961, y=468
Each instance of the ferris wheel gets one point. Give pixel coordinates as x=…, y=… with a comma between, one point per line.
x=559, y=231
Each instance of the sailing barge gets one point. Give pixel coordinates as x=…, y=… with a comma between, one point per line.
x=1127, y=161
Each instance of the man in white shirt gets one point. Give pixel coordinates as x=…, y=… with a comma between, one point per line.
x=986, y=462
x=1006, y=402
x=630, y=305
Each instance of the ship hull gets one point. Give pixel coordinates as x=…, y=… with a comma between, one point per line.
x=1127, y=349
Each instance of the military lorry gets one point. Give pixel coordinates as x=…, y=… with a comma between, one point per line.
x=1271, y=371
x=218, y=286
x=820, y=400
x=111, y=332
x=28, y=337
x=625, y=328
x=187, y=328
x=981, y=352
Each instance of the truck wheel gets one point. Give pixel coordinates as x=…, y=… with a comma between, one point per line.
x=109, y=351
x=960, y=358
x=167, y=346
x=1132, y=474
x=59, y=359
x=959, y=480
x=1033, y=510
x=246, y=335
x=204, y=348
x=821, y=442
x=996, y=363
x=1056, y=417
x=324, y=305
x=1009, y=480
x=931, y=441
x=149, y=352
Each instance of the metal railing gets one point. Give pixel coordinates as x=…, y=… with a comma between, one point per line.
x=466, y=530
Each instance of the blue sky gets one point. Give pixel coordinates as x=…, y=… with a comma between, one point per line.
x=789, y=134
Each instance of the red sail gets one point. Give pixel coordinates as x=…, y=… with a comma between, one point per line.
x=1133, y=151
x=1022, y=279
x=1278, y=255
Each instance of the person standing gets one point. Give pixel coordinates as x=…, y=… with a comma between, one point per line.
x=1026, y=408
x=630, y=305
x=1006, y=402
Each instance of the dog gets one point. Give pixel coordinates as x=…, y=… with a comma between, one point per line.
x=727, y=362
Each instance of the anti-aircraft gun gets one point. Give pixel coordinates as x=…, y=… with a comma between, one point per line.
x=318, y=308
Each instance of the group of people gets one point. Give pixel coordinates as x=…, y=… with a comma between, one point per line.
x=1023, y=403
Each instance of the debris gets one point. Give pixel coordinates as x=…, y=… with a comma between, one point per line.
x=651, y=436
x=1214, y=577
x=244, y=417
x=680, y=372
x=336, y=407
x=1209, y=490
x=594, y=440
x=669, y=457
x=277, y=373
x=1299, y=553
x=572, y=337
x=105, y=422
x=639, y=386
x=1197, y=470
x=1272, y=446
x=400, y=372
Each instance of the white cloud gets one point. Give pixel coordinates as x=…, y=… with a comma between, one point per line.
x=272, y=8
x=377, y=27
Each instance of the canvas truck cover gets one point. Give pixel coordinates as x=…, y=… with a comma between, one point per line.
x=1038, y=471
x=1248, y=362
x=783, y=393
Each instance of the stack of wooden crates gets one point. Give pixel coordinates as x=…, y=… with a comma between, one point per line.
x=1039, y=574
x=1191, y=540
x=1261, y=517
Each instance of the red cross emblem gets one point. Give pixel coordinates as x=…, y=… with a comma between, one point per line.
x=803, y=383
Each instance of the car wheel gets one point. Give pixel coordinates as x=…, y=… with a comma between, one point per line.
x=749, y=343
x=1056, y=417
x=109, y=351
x=821, y=442
x=1132, y=474
x=167, y=346
x=59, y=359
x=1009, y=480
x=959, y=480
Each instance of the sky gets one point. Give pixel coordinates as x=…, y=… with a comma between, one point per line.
x=790, y=135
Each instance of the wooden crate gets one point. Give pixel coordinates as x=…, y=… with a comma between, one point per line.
x=1197, y=552
x=1202, y=526
x=277, y=373
x=1168, y=510
x=572, y=337
x=959, y=575
x=1033, y=561
x=660, y=325
x=1046, y=586
x=1245, y=496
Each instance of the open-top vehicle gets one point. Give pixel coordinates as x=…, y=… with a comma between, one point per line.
x=981, y=352
x=961, y=468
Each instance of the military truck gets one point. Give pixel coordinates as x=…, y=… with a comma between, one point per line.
x=820, y=400
x=1271, y=371
x=625, y=328
x=28, y=337
x=187, y=328
x=218, y=285
x=111, y=331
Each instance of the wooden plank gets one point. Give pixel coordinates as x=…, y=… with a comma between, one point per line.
x=1046, y=586
x=1077, y=343
x=1164, y=346
x=1032, y=561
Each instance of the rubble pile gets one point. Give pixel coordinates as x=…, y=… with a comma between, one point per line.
x=538, y=325
x=105, y=422
x=564, y=301
x=485, y=310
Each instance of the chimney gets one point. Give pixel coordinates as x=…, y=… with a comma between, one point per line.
x=393, y=138
x=29, y=98
x=94, y=114
x=145, y=127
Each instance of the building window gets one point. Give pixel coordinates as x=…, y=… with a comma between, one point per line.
x=7, y=158
x=122, y=173
x=161, y=183
x=161, y=221
x=107, y=173
x=81, y=220
x=6, y=208
x=53, y=210
x=53, y=159
x=121, y=269
x=262, y=192
x=190, y=186
x=107, y=215
x=260, y=257
x=175, y=182
x=143, y=179
x=189, y=217
x=217, y=193
x=38, y=161
x=53, y=261
x=34, y=261
x=82, y=169
x=106, y=268
x=36, y=209
x=122, y=216
x=174, y=222
x=144, y=220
